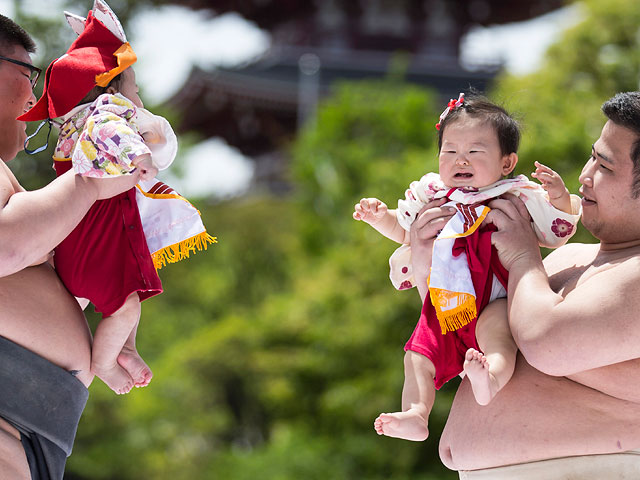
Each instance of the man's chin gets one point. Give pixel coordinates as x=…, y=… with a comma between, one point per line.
x=591, y=225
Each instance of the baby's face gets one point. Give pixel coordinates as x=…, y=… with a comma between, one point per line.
x=129, y=87
x=470, y=154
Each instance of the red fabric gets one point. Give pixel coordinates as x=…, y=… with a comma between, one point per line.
x=447, y=351
x=106, y=258
x=69, y=78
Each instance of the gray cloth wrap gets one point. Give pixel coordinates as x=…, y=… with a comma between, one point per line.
x=43, y=401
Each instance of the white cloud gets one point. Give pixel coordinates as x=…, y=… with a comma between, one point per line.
x=169, y=40
x=520, y=45
x=211, y=169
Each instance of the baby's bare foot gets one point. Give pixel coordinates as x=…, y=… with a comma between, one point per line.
x=483, y=383
x=132, y=362
x=409, y=425
x=116, y=378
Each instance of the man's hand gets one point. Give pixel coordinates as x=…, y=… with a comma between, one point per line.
x=515, y=239
x=107, y=187
x=430, y=220
x=144, y=165
x=370, y=210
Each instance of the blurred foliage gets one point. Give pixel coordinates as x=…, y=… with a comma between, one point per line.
x=261, y=347
x=559, y=104
x=274, y=351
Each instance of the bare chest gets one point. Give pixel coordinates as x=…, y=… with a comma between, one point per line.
x=570, y=272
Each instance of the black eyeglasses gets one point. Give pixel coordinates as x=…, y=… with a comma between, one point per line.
x=34, y=71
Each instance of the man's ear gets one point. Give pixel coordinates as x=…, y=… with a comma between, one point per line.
x=509, y=162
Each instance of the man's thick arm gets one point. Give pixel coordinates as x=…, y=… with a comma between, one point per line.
x=34, y=223
x=591, y=326
x=620, y=380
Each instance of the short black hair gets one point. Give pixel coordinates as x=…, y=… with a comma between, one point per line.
x=624, y=109
x=96, y=91
x=477, y=106
x=12, y=34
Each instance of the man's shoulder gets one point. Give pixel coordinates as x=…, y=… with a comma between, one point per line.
x=572, y=253
x=620, y=267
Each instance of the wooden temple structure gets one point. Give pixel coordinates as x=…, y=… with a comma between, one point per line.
x=257, y=107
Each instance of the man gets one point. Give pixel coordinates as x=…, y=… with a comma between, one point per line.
x=45, y=342
x=572, y=407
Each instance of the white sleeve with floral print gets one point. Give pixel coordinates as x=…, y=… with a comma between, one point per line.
x=110, y=140
x=553, y=227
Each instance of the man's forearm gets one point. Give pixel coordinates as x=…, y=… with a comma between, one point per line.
x=620, y=380
x=33, y=223
x=532, y=305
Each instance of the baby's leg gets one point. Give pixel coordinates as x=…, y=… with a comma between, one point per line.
x=132, y=362
x=111, y=335
x=418, y=395
x=490, y=372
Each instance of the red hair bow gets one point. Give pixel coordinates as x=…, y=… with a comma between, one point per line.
x=452, y=105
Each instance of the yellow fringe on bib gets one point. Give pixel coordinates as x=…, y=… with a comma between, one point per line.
x=454, y=309
x=180, y=251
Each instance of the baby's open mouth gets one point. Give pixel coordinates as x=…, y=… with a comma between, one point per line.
x=463, y=175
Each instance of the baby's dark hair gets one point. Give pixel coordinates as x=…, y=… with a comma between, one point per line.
x=96, y=91
x=624, y=110
x=12, y=34
x=477, y=106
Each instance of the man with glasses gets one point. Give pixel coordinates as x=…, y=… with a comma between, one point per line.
x=45, y=342
x=34, y=72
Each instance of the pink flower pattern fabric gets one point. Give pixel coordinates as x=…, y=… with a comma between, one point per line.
x=561, y=227
x=102, y=138
x=552, y=226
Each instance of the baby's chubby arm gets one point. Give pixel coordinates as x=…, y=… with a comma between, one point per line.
x=555, y=187
x=376, y=213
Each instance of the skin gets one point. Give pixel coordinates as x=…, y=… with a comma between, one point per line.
x=37, y=311
x=575, y=389
x=470, y=157
x=15, y=94
x=115, y=359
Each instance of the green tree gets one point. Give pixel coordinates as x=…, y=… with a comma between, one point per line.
x=559, y=104
x=274, y=351
x=269, y=357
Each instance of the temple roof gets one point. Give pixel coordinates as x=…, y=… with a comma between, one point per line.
x=242, y=104
x=258, y=107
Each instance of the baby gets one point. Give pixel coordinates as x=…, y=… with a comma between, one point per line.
x=111, y=257
x=477, y=143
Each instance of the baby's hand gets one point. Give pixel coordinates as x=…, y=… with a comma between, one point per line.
x=147, y=170
x=370, y=210
x=554, y=185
